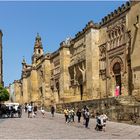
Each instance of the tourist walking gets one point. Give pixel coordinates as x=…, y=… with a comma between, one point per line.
x=66, y=113
x=87, y=116
x=34, y=111
x=71, y=115
x=29, y=108
x=103, y=118
x=42, y=112
x=52, y=110
x=78, y=114
x=83, y=114
x=26, y=107
x=98, y=122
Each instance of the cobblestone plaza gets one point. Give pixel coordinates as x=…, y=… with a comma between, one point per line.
x=55, y=128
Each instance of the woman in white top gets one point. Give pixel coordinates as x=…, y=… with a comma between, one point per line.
x=42, y=112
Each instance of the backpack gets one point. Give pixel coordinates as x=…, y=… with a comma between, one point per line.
x=86, y=115
x=98, y=121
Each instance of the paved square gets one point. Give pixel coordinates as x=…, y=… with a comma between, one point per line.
x=56, y=128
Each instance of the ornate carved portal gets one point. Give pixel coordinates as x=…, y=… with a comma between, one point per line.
x=117, y=74
x=116, y=70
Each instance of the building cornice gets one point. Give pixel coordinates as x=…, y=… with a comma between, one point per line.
x=115, y=14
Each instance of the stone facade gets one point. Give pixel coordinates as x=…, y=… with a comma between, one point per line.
x=17, y=91
x=89, y=66
x=119, y=63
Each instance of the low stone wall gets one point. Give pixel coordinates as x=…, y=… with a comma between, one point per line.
x=114, y=110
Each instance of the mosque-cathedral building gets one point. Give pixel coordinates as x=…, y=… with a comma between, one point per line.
x=89, y=66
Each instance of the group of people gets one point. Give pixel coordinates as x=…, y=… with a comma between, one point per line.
x=70, y=113
x=32, y=110
x=101, y=122
x=52, y=111
x=11, y=110
x=101, y=119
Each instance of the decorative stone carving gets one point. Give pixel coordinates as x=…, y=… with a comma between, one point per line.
x=83, y=71
x=116, y=33
x=102, y=60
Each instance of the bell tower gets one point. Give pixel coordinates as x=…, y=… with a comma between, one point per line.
x=38, y=49
x=1, y=60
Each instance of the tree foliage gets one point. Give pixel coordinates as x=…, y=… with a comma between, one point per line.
x=4, y=94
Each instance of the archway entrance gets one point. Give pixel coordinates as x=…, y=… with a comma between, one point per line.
x=117, y=74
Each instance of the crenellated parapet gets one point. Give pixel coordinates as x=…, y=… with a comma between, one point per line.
x=116, y=13
x=88, y=26
x=17, y=81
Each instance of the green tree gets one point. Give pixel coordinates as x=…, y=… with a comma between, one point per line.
x=4, y=94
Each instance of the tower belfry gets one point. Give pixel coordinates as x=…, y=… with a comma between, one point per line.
x=1, y=60
x=38, y=49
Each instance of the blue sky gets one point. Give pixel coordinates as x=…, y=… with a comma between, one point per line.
x=54, y=21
